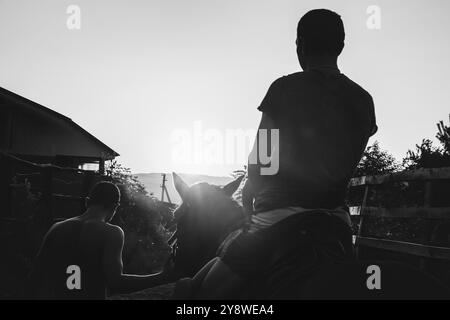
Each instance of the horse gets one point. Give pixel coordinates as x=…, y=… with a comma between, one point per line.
x=207, y=216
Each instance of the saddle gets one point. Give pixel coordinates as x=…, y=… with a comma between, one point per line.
x=300, y=245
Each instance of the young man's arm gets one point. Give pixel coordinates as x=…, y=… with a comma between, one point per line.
x=266, y=123
x=269, y=107
x=254, y=167
x=113, y=267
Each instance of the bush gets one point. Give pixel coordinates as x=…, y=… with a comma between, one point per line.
x=428, y=156
x=376, y=161
x=143, y=219
x=443, y=135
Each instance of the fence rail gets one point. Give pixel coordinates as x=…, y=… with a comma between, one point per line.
x=43, y=166
x=408, y=212
x=407, y=175
x=405, y=247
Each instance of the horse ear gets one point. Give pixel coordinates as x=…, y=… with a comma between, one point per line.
x=231, y=187
x=181, y=186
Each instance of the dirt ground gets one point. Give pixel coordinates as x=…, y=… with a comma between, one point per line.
x=163, y=292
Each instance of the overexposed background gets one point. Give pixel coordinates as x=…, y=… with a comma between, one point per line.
x=137, y=70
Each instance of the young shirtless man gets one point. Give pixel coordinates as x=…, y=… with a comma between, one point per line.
x=90, y=248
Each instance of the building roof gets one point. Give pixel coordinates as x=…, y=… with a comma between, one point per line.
x=36, y=107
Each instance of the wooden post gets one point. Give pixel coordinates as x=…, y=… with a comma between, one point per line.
x=162, y=186
x=426, y=234
x=88, y=181
x=9, y=133
x=428, y=193
x=361, y=218
x=101, y=166
x=5, y=184
x=164, y=189
x=48, y=192
x=6, y=167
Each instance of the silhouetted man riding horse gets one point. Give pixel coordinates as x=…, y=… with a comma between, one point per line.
x=297, y=217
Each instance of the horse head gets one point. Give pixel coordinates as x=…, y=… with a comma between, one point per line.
x=206, y=216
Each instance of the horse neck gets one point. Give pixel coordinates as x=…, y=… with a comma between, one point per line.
x=236, y=221
x=212, y=233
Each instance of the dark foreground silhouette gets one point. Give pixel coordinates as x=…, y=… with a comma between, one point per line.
x=211, y=214
x=81, y=257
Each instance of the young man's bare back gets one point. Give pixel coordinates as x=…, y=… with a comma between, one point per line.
x=81, y=258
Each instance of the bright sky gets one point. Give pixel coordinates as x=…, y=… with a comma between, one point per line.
x=137, y=71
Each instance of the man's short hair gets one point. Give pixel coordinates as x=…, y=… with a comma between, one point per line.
x=321, y=31
x=105, y=194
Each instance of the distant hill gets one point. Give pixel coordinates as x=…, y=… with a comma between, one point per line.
x=152, y=182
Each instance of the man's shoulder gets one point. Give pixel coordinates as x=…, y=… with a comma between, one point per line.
x=107, y=228
x=113, y=230
x=295, y=76
x=110, y=230
x=289, y=80
x=63, y=225
x=357, y=88
x=292, y=77
x=304, y=78
x=295, y=81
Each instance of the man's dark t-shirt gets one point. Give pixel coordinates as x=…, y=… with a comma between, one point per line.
x=324, y=121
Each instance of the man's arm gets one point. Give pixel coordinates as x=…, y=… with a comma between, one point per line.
x=254, y=167
x=266, y=123
x=268, y=107
x=113, y=267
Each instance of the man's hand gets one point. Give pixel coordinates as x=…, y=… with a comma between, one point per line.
x=113, y=266
x=247, y=198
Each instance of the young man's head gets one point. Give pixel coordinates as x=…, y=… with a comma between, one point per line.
x=320, y=36
x=106, y=197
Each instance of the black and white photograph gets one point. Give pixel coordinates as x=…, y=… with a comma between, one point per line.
x=223, y=157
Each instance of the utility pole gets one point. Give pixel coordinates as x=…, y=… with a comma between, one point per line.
x=164, y=189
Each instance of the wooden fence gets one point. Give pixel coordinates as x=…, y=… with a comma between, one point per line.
x=56, y=187
x=432, y=182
